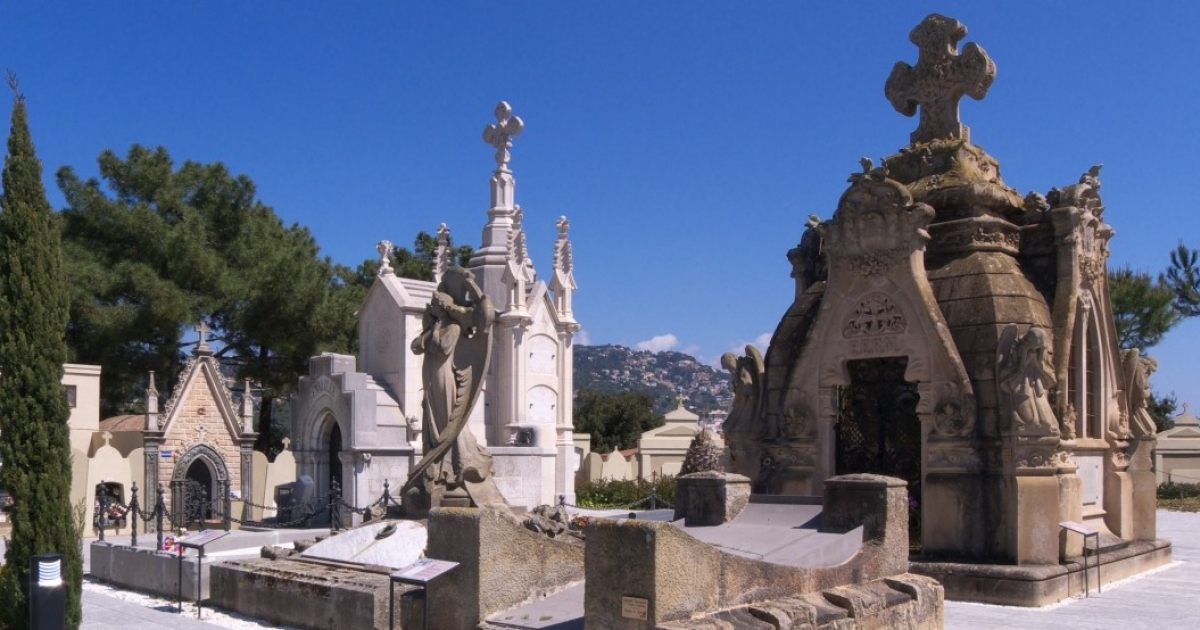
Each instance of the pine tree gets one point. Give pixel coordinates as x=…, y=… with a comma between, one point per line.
x=701, y=455
x=34, y=438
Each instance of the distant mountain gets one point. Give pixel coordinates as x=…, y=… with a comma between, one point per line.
x=663, y=374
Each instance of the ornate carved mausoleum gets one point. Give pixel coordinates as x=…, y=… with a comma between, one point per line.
x=952, y=332
x=358, y=420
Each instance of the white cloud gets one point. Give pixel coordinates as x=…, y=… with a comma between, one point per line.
x=658, y=343
x=582, y=338
x=761, y=342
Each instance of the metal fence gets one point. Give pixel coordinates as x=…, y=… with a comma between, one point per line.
x=191, y=506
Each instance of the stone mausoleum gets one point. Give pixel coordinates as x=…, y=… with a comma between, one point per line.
x=955, y=333
x=358, y=421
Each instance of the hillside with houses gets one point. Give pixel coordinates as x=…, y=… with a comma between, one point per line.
x=664, y=374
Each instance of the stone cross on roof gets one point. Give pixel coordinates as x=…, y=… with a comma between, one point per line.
x=939, y=79
x=202, y=345
x=501, y=133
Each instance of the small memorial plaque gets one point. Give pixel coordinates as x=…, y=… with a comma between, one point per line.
x=634, y=607
x=165, y=454
x=199, y=539
x=423, y=571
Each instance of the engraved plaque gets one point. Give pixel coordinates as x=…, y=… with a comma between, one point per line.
x=634, y=607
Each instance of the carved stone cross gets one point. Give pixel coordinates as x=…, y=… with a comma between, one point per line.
x=501, y=133
x=201, y=329
x=939, y=79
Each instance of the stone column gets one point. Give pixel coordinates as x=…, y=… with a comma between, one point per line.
x=1031, y=503
x=247, y=489
x=150, y=490
x=1145, y=491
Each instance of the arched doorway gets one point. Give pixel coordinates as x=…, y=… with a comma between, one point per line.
x=878, y=430
x=201, y=478
x=335, y=461
x=197, y=483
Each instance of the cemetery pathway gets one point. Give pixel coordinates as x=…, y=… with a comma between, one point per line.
x=102, y=612
x=1160, y=600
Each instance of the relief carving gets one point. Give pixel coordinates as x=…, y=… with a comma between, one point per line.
x=951, y=408
x=875, y=314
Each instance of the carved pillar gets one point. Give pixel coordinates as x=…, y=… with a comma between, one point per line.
x=247, y=489
x=150, y=489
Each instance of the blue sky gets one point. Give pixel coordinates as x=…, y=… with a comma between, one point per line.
x=686, y=142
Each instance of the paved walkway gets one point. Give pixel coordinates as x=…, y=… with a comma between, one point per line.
x=101, y=612
x=1162, y=600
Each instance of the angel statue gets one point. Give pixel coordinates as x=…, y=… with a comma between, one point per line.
x=1025, y=374
x=1137, y=390
x=746, y=374
x=456, y=342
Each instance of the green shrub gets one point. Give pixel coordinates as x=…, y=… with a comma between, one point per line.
x=611, y=493
x=1173, y=490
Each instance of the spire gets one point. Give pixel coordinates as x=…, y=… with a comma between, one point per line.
x=562, y=282
x=247, y=408
x=491, y=259
x=151, y=405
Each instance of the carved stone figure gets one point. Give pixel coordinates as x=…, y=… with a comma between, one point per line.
x=747, y=375
x=1025, y=375
x=455, y=470
x=807, y=265
x=1137, y=388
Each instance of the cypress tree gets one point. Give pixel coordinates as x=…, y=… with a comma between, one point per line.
x=34, y=437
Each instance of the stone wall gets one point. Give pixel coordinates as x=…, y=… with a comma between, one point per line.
x=501, y=564
x=678, y=577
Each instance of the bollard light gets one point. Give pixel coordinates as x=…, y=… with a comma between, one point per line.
x=47, y=595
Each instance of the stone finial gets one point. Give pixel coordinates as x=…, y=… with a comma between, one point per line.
x=501, y=133
x=441, y=255
x=562, y=247
x=384, y=248
x=939, y=79
x=202, y=345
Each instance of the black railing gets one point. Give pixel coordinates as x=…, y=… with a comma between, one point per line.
x=193, y=506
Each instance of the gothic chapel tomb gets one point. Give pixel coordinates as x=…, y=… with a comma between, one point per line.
x=952, y=332
x=357, y=420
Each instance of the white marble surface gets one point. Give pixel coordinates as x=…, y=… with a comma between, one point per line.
x=400, y=549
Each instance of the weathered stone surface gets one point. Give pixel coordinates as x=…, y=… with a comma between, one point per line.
x=711, y=498
x=680, y=576
x=501, y=564
x=304, y=594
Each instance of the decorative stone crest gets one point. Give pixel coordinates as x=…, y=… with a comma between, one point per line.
x=501, y=133
x=875, y=314
x=939, y=79
x=876, y=224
